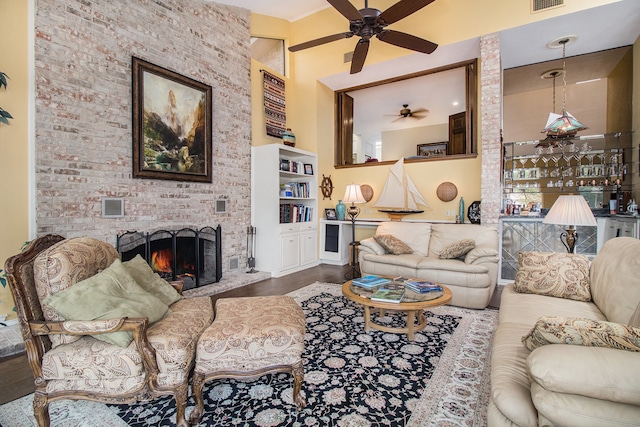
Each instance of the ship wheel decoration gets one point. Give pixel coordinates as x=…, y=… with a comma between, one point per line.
x=327, y=187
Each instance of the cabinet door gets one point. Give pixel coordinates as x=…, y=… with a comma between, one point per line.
x=289, y=251
x=309, y=247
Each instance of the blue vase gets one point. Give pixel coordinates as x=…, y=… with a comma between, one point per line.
x=341, y=210
x=461, y=210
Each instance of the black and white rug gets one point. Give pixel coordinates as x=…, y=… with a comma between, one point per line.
x=352, y=378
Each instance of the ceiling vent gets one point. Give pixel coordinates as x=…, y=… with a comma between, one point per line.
x=540, y=5
x=348, y=57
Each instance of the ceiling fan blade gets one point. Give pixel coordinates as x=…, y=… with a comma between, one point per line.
x=321, y=40
x=407, y=41
x=347, y=10
x=402, y=9
x=419, y=110
x=359, y=55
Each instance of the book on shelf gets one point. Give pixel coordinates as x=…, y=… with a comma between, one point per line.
x=369, y=282
x=422, y=286
x=290, y=212
x=388, y=294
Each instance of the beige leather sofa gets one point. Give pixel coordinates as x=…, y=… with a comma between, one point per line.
x=472, y=279
x=562, y=384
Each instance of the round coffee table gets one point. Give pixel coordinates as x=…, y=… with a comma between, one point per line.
x=412, y=303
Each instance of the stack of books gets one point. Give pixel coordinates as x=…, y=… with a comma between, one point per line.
x=422, y=286
x=370, y=282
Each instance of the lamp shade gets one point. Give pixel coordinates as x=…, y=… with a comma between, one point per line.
x=353, y=194
x=570, y=210
x=565, y=125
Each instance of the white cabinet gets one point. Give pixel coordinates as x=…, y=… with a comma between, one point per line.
x=335, y=237
x=284, y=204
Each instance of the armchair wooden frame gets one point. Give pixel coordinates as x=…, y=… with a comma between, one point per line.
x=36, y=330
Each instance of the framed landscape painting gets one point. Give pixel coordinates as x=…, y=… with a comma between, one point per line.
x=171, y=125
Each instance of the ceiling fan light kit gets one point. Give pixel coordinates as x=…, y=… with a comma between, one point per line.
x=368, y=22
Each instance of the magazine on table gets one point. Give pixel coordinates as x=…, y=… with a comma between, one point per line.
x=385, y=294
x=422, y=286
x=369, y=282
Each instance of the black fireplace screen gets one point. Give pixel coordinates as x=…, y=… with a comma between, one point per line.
x=192, y=256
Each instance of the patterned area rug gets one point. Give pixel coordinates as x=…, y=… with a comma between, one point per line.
x=352, y=378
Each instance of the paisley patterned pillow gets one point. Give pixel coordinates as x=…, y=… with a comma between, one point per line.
x=457, y=249
x=555, y=274
x=392, y=244
x=580, y=331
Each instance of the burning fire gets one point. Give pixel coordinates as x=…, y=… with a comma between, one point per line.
x=161, y=260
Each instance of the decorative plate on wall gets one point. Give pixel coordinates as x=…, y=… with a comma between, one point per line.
x=474, y=212
x=367, y=192
x=447, y=191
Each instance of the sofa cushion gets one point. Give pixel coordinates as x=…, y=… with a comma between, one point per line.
x=442, y=235
x=604, y=374
x=417, y=235
x=581, y=331
x=151, y=281
x=110, y=294
x=615, y=279
x=553, y=274
x=526, y=309
x=392, y=244
x=457, y=249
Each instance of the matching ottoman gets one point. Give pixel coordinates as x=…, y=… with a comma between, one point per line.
x=250, y=337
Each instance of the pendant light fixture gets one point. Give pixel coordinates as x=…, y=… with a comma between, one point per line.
x=565, y=125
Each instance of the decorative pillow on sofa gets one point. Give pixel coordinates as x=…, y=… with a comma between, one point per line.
x=555, y=274
x=457, y=249
x=151, y=281
x=392, y=244
x=110, y=294
x=580, y=331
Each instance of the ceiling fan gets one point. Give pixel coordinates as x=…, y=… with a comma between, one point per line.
x=368, y=22
x=407, y=112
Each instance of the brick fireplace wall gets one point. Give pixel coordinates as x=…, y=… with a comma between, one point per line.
x=83, y=143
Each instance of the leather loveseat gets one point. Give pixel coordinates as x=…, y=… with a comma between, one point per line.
x=587, y=370
x=471, y=277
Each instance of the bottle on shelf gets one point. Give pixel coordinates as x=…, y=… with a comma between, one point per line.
x=341, y=210
x=288, y=138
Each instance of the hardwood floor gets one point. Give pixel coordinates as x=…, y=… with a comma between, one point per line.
x=16, y=379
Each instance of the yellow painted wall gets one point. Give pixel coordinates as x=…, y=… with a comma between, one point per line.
x=14, y=166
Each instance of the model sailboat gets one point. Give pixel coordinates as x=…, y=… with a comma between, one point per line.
x=400, y=194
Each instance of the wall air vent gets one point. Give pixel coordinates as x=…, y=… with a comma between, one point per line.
x=540, y=5
x=112, y=207
x=348, y=57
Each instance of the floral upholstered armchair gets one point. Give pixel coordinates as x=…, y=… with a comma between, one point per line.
x=100, y=329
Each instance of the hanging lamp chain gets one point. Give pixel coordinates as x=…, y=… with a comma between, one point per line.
x=564, y=78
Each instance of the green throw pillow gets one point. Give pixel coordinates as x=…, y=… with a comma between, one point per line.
x=110, y=294
x=151, y=281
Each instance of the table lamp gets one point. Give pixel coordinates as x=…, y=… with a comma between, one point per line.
x=570, y=210
x=354, y=195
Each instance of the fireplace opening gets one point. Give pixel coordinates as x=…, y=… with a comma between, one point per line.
x=189, y=255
